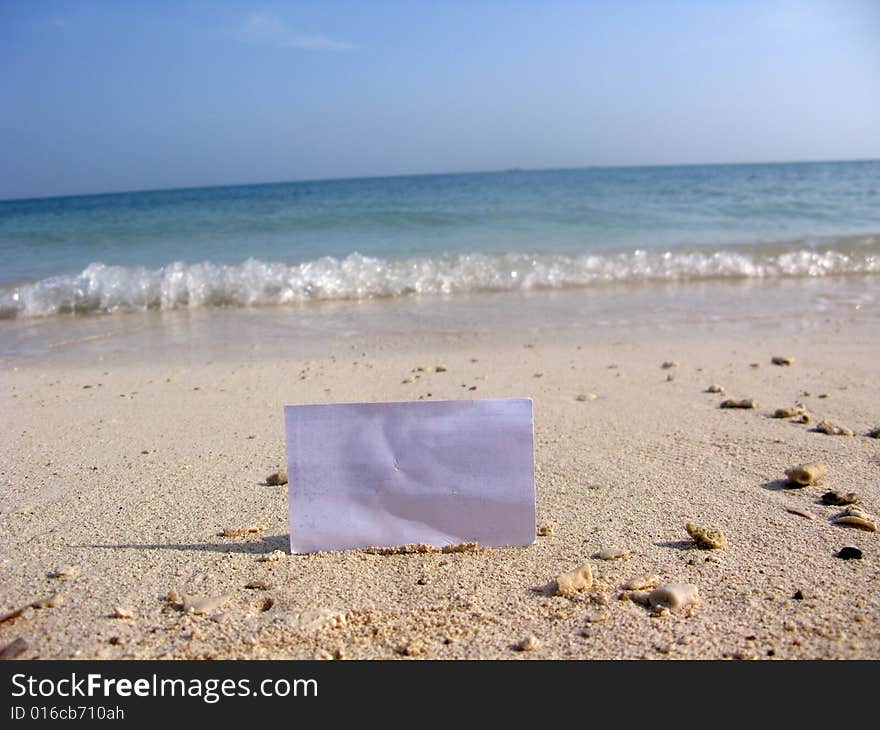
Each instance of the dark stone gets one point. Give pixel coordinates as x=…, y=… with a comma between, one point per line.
x=798, y=596
x=850, y=553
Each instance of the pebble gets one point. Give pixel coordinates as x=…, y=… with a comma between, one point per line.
x=799, y=512
x=122, y=612
x=529, y=643
x=806, y=474
x=754, y=365
x=705, y=539
x=833, y=429
x=272, y=557
x=575, y=581
x=14, y=648
x=673, y=596
x=201, y=606
x=614, y=552
x=849, y=553
x=440, y=369
x=798, y=595
x=641, y=583
x=790, y=412
x=874, y=433
x=669, y=364
x=173, y=597
x=744, y=403
x=239, y=531
x=784, y=361
x=838, y=499
x=586, y=397
x=277, y=479
x=65, y=573
x=321, y=618
x=546, y=528
x=715, y=388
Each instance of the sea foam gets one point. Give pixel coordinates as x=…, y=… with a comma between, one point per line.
x=103, y=288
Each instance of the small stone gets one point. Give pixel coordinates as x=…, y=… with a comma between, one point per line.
x=122, y=612
x=850, y=553
x=413, y=648
x=272, y=557
x=669, y=364
x=529, y=643
x=202, y=606
x=798, y=596
x=824, y=395
x=575, y=581
x=839, y=500
x=66, y=572
x=259, y=585
x=277, y=479
x=744, y=403
x=440, y=369
x=673, y=596
x=406, y=381
x=833, y=429
x=754, y=365
x=782, y=361
x=614, y=552
x=806, y=474
x=641, y=583
x=790, y=412
x=706, y=539
x=173, y=597
x=586, y=397
x=715, y=388
x=670, y=378
x=546, y=528
x=874, y=433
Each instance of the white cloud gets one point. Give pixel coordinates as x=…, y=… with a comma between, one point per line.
x=265, y=29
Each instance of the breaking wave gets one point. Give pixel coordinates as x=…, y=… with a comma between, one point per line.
x=103, y=288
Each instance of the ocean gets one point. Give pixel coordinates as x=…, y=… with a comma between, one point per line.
x=433, y=237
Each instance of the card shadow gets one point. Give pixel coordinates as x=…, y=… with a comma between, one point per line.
x=266, y=545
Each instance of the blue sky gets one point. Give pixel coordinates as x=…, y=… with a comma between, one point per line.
x=106, y=96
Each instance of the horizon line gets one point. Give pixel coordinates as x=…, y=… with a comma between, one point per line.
x=426, y=174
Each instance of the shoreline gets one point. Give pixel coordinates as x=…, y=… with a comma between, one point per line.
x=627, y=469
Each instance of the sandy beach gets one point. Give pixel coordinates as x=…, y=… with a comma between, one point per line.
x=119, y=479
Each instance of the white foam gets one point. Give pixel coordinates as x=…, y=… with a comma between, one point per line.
x=102, y=288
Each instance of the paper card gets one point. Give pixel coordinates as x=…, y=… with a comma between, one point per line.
x=389, y=474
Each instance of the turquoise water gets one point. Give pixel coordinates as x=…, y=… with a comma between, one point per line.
x=439, y=234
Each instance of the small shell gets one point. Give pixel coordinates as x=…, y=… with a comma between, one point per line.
x=853, y=521
x=673, y=596
x=574, y=581
x=806, y=474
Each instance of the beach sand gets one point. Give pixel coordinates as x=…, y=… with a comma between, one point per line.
x=127, y=473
